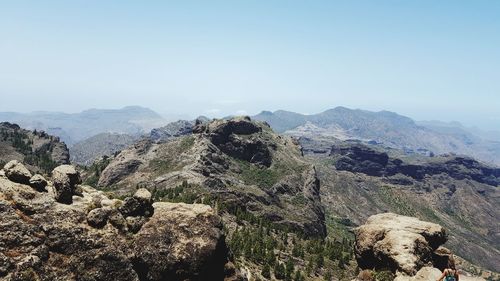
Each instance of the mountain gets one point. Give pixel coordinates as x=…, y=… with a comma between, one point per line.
x=265, y=191
x=40, y=151
x=240, y=162
x=87, y=151
x=385, y=128
x=456, y=192
x=75, y=127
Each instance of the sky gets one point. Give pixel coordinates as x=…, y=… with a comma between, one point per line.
x=425, y=59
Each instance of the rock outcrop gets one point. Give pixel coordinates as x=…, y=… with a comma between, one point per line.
x=88, y=238
x=65, y=178
x=172, y=130
x=17, y=172
x=236, y=137
x=360, y=158
x=398, y=243
x=38, y=150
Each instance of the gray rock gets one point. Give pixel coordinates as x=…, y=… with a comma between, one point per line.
x=117, y=220
x=5, y=264
x=138, y=205
x=134, y=224
x=38, y=182
x=143, y=195
x=17, y=172
x=98, y=217
x=65, y=178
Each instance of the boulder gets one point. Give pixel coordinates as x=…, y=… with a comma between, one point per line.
x=398, y=243
x=181, y=242
x=17, y=172
x=98, y=217
x=65, y=178
x=431, y=273
x=138, y=205
x=38, y=182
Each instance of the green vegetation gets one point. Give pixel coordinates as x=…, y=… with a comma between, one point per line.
x=161, y=166
x=23, y=144
x=383, y=275
x=185, y=193
x=399, y=204
x=260, y=176
x=95, y=171
x=186, y=143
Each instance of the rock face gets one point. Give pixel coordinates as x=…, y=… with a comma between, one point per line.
x=17, y=172
x=236, y=138
x=363, y=159
x=43, y=239
x=65, y=178
x=87, y=151
x=172, y=130
x=399, y=243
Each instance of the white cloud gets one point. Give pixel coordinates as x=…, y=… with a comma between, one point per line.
x=241, y=112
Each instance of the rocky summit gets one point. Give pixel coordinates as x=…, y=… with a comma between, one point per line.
x=68, y=231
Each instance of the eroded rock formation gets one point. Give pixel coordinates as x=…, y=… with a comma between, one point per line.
x=92, y=237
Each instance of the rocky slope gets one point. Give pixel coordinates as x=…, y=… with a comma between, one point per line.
x=458, y=193
x=65, y=231
x=105, y=144
x=39, y=150
x=386, y=128
x=239, y=163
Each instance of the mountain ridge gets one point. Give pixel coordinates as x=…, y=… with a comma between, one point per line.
x=384, y=127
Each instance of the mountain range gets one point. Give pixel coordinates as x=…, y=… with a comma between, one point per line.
x=387, y=129
x=75, y=127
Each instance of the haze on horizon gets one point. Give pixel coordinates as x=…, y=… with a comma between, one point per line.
x=424, y=59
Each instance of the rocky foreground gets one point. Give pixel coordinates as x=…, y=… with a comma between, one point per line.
x=406, y=246
x=61, y=230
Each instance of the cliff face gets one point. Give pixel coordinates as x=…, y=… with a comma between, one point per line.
x=45, y=236
x=363, y=159
x=40, y=151
x=456, y=192
x=239, y=164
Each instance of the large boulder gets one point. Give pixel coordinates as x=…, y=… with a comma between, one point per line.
x=181, y=242
x=65, y=178
x=17, y=172
x=398, y=243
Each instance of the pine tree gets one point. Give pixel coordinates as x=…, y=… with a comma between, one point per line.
x=266, y=271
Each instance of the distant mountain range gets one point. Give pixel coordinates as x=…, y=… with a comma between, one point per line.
x=384, y=128
x=387, y=129
x=75, y=127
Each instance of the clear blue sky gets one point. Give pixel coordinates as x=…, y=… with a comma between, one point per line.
x=425, y=59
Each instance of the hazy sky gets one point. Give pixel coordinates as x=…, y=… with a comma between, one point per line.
x=425, y=59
